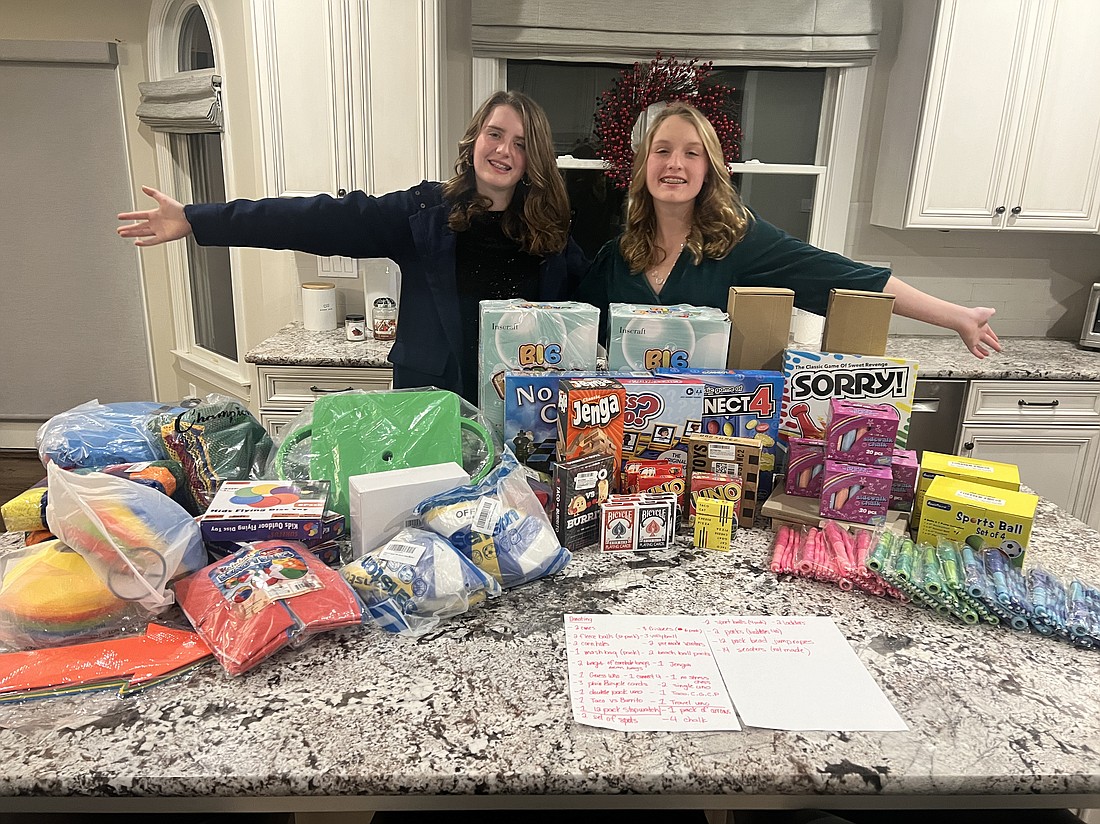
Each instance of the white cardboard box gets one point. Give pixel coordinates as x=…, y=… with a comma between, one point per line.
x=382, y=503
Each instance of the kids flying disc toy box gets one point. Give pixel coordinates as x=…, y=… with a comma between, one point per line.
x=266, y=511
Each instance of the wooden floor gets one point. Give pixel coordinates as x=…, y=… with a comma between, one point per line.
x=20, y=469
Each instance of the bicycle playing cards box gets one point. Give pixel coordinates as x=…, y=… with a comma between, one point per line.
x=266, y=511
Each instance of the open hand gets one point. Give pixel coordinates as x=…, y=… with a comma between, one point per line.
x=976, y=333
x=160, y=225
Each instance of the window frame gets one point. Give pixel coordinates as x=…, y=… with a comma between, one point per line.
x=173, y=163
x=834, y=169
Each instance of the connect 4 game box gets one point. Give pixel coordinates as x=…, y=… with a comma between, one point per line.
x=660, y=414
x=743, y=404
x=812, y=379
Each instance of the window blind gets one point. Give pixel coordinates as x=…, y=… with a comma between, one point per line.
x=185, y=103
x=760, y=32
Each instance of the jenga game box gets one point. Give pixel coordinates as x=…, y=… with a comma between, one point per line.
x=590, y=418
x=723, y=455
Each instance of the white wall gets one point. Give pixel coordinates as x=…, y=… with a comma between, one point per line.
x=1038, y=282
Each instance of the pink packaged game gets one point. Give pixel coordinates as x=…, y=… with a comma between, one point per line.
x=905, y=469
x=862, y=433
x=805, y=464
x=854, y=492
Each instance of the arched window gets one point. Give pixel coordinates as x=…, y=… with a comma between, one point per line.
x=199, y=159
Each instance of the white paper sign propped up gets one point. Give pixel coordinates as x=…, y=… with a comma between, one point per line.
x=797, y=673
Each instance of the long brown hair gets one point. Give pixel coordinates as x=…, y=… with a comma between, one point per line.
x=719, y=220
x=537, y=218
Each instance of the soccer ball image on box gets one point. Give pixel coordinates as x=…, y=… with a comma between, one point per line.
x=651, y=337
x=539, y=337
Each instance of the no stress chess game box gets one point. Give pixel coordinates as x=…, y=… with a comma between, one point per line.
x=266, y=511
x=531, y=411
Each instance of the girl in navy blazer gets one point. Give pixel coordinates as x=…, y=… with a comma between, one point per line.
x=498, y=229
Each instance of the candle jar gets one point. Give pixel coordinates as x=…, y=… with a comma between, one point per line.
x=384, y=319
x=355, y=327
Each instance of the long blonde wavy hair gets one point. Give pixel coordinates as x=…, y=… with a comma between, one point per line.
x=719, y=220
x=538, y=216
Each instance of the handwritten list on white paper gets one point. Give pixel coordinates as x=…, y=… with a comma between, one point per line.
x=660, y=672
x=630, y=672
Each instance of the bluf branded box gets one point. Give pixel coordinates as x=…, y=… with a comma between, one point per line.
x=538, y=337
x=812, y=379
x=975, y=470
x=985, y=517
x=647, y=337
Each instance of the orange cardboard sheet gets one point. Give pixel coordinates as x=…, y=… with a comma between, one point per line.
x=129, y=663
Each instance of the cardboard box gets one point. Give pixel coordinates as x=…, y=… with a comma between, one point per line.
x=812, y=379
x=382, y=503
x=538, y=337
x=857, y=322
x=985, y=517
x=760, y=327
x=975, y=470
x=792, y=511
x=646, y=337
x=266, y=511
x=729, y=456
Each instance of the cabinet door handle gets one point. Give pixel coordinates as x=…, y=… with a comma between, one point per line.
x=1046, y=404
x=321, y=391
x=1016, y=210
x=1000, y=210
x=341, y=192
x=969, y=446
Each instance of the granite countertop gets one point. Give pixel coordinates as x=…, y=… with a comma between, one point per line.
x=481, y=708
x=294, y=345
x=938, y=356
x=944, y=356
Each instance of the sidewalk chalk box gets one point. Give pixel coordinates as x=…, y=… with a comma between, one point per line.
x=805, y=467
x=648, y=337
x=660, y=413
x=742, y=404
x=812, y=379
x=538, y=337
x=985, y=517
x=905, y=469
x=862, y=433
x=854, y=492
x=975, y=470
x=266, y=511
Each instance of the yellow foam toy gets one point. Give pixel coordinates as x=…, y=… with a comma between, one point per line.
x=54, y=586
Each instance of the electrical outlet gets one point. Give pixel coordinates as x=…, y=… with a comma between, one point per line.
x=337, y=267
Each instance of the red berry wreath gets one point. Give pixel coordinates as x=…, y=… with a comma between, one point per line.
x=639, y=87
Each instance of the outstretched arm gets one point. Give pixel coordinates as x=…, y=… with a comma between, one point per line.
x=160, y=225
x=971, y=323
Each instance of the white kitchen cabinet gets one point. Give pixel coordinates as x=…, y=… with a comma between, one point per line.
x=286, y=391
x=1050, y=429
x=989, y=122
x=359, y=94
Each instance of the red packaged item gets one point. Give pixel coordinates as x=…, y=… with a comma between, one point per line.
x=719, y=485
x=268, y=595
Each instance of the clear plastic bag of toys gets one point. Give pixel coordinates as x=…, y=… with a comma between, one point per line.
x=417, y=580
x=499, y=525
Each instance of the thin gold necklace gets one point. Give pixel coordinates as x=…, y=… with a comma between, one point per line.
x=660, y=281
